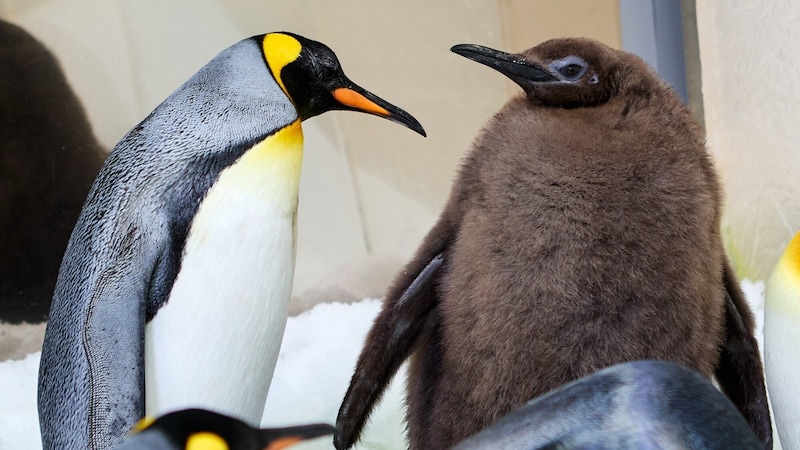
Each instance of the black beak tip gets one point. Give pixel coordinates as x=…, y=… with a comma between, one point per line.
x=418, y=128
x=407, y=120
x=463, y=49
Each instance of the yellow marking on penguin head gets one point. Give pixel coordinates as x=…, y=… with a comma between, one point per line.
x=279, y=50
x=783, y=287
x=206, y=440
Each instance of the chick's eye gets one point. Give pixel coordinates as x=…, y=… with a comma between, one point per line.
x=571, y=70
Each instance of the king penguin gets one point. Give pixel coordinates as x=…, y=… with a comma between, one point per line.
x=629, y=406
x=582, y=231
x=781, y=343
x=200, y=429
x=177, y=277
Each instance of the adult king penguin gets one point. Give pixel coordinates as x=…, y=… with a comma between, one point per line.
x=582, y=231
x=200, y=429
x=781, y=343
x=189, y=232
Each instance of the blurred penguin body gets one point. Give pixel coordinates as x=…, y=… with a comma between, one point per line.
x=197, y=429
x=781, y=343
x=48, y=159
x=190, y=229
x=582, y=231
x=636, y=405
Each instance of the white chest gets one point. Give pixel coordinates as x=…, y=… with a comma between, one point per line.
x=215, y=342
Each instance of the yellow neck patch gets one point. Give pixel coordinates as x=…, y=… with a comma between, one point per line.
x=270, y=171
x=206, y=440
x=280, y=49
x=283, y=152
x=791, y=257
x=783, y=286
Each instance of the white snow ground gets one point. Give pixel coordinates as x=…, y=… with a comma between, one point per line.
x=317, y=357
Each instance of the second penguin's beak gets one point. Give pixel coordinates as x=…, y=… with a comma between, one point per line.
x=354, y=98
x=520, y=70
x=282, y=438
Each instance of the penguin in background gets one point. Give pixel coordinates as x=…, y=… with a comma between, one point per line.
x=629, y=406
x=583, y=231
x=781, y=343
x=199, y=429
x=177, y=277
x=49, y=157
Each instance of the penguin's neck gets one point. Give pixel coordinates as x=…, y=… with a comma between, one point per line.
x=269, y=173
x=215, y=341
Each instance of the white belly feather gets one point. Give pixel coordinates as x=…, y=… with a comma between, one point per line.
x=214, y=344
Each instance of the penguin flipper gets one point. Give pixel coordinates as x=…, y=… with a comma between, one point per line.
x=116, y=360
x=91, y=379
x=389, y=343
x=740, y=372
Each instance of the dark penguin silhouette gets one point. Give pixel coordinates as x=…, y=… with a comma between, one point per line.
x=200, y=429
x=583, y=231
x=636, y=405
x=48, y=160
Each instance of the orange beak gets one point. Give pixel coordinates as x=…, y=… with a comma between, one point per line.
x=282, y=438
x=284, y=442
x=353, y=99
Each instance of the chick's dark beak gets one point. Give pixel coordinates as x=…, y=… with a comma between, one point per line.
x=513, y=66
x=354, y=98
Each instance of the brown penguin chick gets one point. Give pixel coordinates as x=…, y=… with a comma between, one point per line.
x=583, y=231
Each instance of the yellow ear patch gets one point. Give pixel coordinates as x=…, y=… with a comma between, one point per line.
x=280, y=49
x=206, y=440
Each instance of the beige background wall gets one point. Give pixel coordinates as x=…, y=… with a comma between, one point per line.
x=749, y=54
x=370, y=189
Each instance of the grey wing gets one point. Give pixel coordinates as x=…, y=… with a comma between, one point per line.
x=91, y=375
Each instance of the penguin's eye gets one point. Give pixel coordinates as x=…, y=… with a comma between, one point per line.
x=571, y=70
